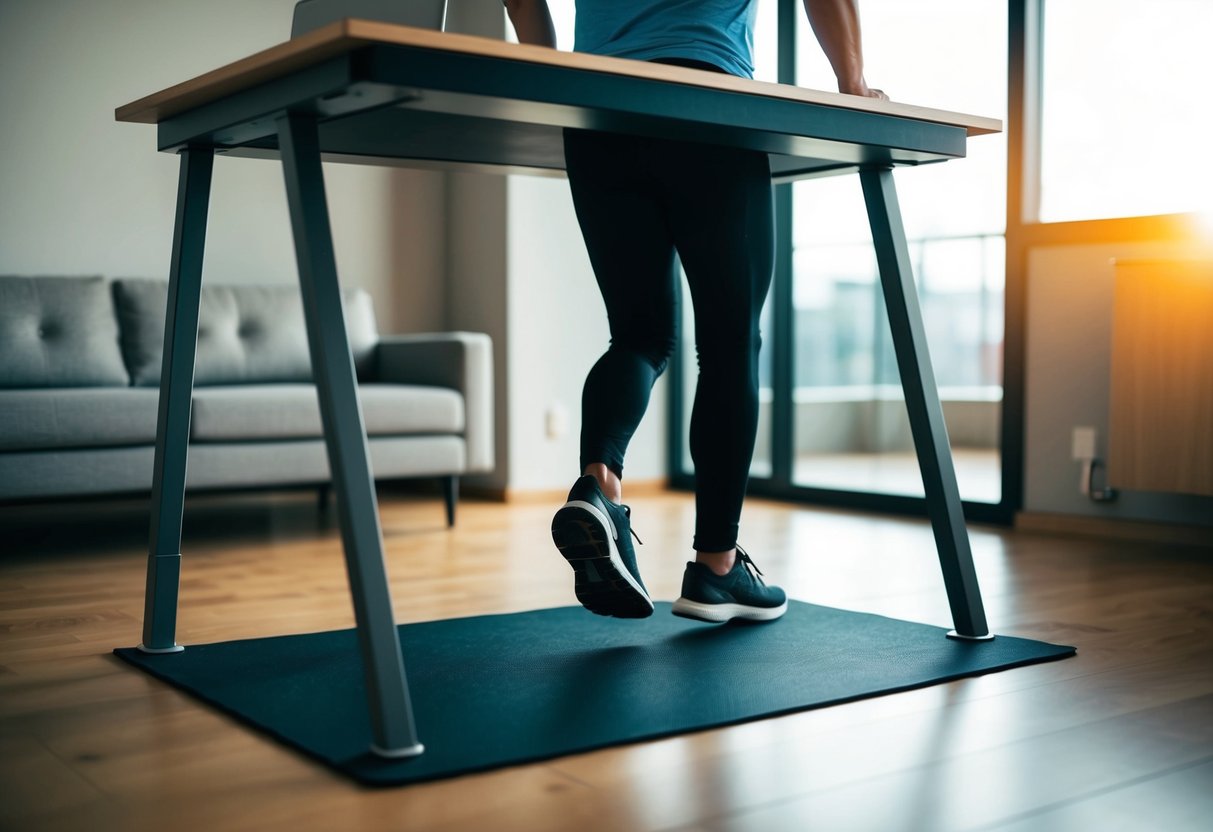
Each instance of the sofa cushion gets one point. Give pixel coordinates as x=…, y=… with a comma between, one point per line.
x=223, y=465
x=88, y=417
x=290, y=411
x=216, y=465
x=58, y=332
x=246, y=334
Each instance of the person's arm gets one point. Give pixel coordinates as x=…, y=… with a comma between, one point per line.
x=836, y=25
x=532, y=21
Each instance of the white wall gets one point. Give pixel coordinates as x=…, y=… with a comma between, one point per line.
x=1069, y=340
x=477, y=291
x=82, y=194
x=519, y=271
x=558, y=329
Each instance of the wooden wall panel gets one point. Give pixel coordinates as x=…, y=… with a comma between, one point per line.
x=1161, y=420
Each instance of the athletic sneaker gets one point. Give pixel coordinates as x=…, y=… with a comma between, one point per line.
x=595, y=537
x=740, y=593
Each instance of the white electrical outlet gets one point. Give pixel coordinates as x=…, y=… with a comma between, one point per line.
x=556, y=420
x=1082, y=444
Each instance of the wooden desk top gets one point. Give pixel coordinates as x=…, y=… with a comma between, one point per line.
x=347, y=35
x=387, y=94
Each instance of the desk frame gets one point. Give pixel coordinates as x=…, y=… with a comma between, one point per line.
x=286, y=115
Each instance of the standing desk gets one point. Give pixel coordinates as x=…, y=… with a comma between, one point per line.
x=384, y=94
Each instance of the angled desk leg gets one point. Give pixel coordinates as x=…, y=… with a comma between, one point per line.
x=345, y=437
x=922, y=402
x=176, y=392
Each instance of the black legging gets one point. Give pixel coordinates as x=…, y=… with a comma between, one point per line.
x=638, y=200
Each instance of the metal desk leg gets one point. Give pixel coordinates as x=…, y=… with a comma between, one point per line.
x=345, y=437
x=922, y=402
x=176, y=392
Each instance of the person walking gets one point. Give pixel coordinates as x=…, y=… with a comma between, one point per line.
x=639, y=201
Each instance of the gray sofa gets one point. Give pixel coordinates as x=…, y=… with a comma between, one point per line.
x=80, y=369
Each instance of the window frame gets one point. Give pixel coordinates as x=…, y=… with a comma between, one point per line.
x=779, y=484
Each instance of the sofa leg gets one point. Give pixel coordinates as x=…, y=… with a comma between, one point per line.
x=322, y=497
x=450, y=490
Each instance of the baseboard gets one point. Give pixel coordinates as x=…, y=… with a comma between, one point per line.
x=1136, y=530
x=631, y=488
x=492, y=494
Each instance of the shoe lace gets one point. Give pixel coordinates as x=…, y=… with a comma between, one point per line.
x=745, y=558
x=628, y=511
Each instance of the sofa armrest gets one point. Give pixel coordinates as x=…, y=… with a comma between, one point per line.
x=459, y=360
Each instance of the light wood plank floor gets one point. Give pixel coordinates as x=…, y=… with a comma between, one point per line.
x=1120, y=737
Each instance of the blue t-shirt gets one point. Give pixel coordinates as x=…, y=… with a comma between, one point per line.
x=718, y=32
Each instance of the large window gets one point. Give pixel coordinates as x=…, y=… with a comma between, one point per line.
x=850, y=426
x=1110, y=122
x=1125, y=116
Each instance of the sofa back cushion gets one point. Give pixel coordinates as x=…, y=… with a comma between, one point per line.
x=58, y=332
x=246, y=334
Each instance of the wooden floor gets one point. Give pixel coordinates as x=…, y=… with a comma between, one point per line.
x=1120, y=737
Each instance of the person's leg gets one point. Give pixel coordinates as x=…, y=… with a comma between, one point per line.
x=723, y=226
x=632, y=254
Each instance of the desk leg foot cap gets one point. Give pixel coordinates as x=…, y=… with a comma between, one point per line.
x=962, y=637
x=414, y=750
x=176, y=648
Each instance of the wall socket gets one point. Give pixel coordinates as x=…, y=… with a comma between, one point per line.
x=556, y=420
x=1082, y=443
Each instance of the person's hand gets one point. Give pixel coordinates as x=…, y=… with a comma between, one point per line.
x=862, y=88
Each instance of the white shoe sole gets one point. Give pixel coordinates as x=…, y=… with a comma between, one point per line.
x=586, y=539
x=720, y=613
